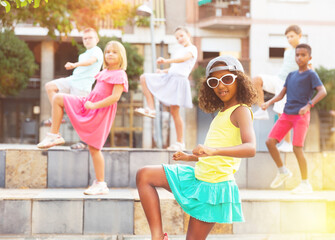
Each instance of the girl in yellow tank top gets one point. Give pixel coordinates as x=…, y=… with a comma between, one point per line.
x=208, y=192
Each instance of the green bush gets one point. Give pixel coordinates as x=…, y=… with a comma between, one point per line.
x=17, y=64
x=327, y=77
x=198, y=75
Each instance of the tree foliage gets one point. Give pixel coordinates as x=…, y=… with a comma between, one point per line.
x=198, y=76
x=17, y=64
x=19, y=3
x=327, y=77
x=64, y=16
x=134, y=61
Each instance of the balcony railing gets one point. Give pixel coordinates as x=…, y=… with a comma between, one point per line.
x=223, y=8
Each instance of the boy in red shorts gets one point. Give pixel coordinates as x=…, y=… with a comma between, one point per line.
x=299, y=88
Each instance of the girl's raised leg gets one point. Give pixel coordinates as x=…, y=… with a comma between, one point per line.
x=147, y=93
x=198, y=230
x=53, y=138
x=147, y=179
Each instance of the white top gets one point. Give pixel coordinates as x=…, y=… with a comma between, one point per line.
x=289, y=64
x=83, y=76
x=184, y=68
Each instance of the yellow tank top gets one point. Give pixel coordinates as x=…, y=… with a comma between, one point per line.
x=221, y=133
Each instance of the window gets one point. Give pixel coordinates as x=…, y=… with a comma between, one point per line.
x=276, y=52
x=206, y=55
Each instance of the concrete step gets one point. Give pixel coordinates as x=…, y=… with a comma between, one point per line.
x=43, y=212
x=182, y=237
x=63, y=237
x=25, y=166
x=247, y=237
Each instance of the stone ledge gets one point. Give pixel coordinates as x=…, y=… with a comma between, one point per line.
x=25, y=166
x=132, y=194
x=266, y=212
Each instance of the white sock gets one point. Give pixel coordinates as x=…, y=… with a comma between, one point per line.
x=305, y=181
x=283, y=169
x=54, y=134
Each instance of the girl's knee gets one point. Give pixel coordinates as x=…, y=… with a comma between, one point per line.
x=174, y=110
x=141, y=175
x=48, y=86
x=58, y=99
x=93, y=149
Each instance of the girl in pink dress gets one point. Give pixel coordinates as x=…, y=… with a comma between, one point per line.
x=93, y=116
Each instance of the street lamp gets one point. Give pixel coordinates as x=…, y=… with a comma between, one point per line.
x=146, y=11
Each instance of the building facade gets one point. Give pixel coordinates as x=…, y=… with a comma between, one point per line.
x=251, y=30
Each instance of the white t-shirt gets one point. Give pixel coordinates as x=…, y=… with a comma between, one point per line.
x=184, y=68
x=289, y=64
x=83, y=76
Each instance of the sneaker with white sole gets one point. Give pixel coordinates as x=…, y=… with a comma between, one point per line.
x=51, y=140
x=303, y=188
x=177, y=146
x=261, y=114
x=280, y=179
x=97, y=188
x=285, y=147
x=147, y=112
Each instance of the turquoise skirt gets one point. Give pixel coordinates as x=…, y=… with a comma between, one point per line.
x=207, y=202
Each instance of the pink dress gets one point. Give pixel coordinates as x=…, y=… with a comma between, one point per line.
x=93, y=125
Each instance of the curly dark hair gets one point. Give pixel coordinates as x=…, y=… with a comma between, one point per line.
x=246, y=94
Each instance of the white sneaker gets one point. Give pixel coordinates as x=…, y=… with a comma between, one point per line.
x=280, y=179
x=303, y=188
x=177, y=146
x=261, y=114
x=147, y=112
x=97, y=188
x=285, y=147
x=51, y=140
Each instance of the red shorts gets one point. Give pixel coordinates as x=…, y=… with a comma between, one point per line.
x=299, y=123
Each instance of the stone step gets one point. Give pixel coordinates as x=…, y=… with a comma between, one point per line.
x=25, y=166
x=298, y=236
x=44, y=212
x=247, y=237
x=64, y=237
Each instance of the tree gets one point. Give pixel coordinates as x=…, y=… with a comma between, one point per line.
x=327, y=77
x=17, y=64
x=19, y=3
x=64, y=16
x=134, y=60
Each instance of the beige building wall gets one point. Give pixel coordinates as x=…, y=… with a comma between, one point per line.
x=315, y=17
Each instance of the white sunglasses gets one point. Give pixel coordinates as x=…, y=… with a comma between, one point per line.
x=227, y=80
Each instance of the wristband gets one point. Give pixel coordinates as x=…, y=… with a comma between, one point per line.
x=311, y=103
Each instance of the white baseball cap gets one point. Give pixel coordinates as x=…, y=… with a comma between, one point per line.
x=232, y=64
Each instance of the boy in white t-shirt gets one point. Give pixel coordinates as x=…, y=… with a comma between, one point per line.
x=274, y=83
x=88, y=65
x=81, y=81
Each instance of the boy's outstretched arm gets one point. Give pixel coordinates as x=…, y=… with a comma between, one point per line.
x=88, y=62
x=321, y=93
x=276, y=98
